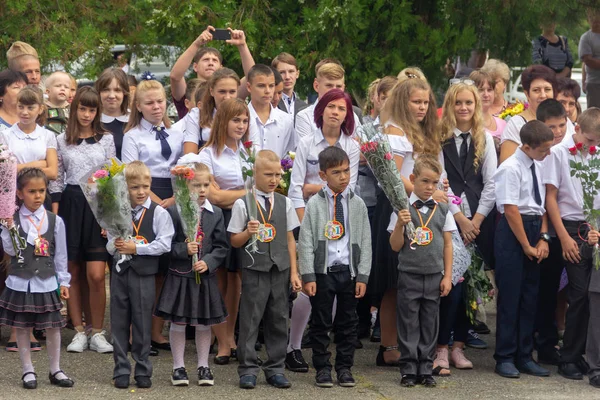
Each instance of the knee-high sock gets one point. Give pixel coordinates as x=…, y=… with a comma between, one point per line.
x=177, y=339
x=24, y=344
x=53, y=348
x=299, y=320
x=203, y=344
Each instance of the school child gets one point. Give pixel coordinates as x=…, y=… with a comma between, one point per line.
x=84, y=145
x=267, y=274
x=334, y=261
x=521, y=245
x=270, y=128
x=34, y=288
x=425, y=272
x=114, y=94
x=58, y=89
x=132, y=281
x=278, y=91
x=185, y=302
x=565, y=209
x=592, y=349
x=287, y=66
x=190, y=123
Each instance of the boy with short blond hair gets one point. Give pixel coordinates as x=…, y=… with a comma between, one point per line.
x=58, y=90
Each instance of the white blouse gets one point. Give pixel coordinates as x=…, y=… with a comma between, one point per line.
x=29, y=147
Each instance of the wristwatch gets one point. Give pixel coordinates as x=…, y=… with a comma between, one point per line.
x=545, y=237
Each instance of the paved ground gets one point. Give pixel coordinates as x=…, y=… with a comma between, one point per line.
x=92, y=373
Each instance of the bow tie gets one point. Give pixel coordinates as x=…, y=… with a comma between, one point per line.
x=420, y=204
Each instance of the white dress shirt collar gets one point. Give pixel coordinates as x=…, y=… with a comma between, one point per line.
x=331, y=193
x=458, y=132
x=38, y=214
x=146, y=125
x=22, y=135
x=207, y=206
x=146, y=205
x=254, y=115
x=107, y=119
x=524, y=158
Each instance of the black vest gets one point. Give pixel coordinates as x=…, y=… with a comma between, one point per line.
x=144, y=265
x=465, y=180
x=274, y=252
x=42, y=267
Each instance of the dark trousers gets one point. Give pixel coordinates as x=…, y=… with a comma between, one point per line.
x=264, y=296
x=578, y=313
x=417, y=320
x=592, y=350
x=545, y=323
x=329, y=286
x=131, y=304
x=453, y=316
x=518, y=281
x=485, y=240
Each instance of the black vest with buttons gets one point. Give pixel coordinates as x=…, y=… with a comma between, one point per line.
x=144, y=265
x=42, y=267
x=463, y=180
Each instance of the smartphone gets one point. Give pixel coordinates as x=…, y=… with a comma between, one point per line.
x=221, y=34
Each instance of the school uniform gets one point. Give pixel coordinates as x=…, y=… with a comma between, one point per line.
x=30, y=299
x=517, y=182
x=335, y=263
x=276, y=134
x=420, y=271
x=159, y=148
x=570, y=205
x=291, y=104
x=192, y=131
x=265, y=283
x=116, y=126
x=132, y=288
x=182, y=300
x=84, y=238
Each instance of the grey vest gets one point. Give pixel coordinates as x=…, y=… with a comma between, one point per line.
x=144, y=265
x=425, y=260
x=275, y=252
x=42, y=267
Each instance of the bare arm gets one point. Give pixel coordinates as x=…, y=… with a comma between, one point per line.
x=178, y=85
x=591, y=62
x=51, y=170
x=238, y=39
x=507, y=149
x=570, y=248
x=224, y=198
x=189, y=147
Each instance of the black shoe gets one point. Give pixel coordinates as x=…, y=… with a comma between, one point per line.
x=358, y=344
x=408, y=380
x=550, y=356
x=595, y=381
x=161, y=346
x=222, y=360
x=180, y=377
x=35, y=346
x=583, y=366
x=121, y=382
x=507, y=370
x=39, y=334
x=481, y=328
x=532, y=368
x=426, y=380
x=376, y=335
x=345, y=378
x=233, y=355
x=30, y=384
x=153, y=351
x=143, y=382
x=570, y=371
x=205, y=377
x=294, y=361
x=306, y=342
x=247, y=381
x=323, y=379
x=279, y=381
x=380, y=361
x=66, y=382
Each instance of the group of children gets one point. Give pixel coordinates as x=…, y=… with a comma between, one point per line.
x=353, y=250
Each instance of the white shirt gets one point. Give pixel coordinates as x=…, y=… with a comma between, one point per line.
x=190, y=125
x=487, y=165
x=29, y=147
x=557, y=172
x=514, y=184
x=449, y=224
x=162, y=225
x=306, y=164
x=305, y=121
x=402, y=147
x=36, y=284
x=338, y=251
x=226, y=168
x=290, y=102
x=239, y=213
x=277, y=134
x=140, y=143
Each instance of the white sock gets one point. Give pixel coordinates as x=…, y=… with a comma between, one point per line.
x=24, y=344
x=177, y=339
x=203, y=339
x=300, y=315
x=53, y=348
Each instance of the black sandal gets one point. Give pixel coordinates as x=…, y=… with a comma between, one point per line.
x=29, y=384
x=67, y=382
x=380, y=360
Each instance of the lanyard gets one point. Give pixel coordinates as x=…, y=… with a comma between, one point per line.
x=38, y=228
x=430, y=216
x=260, y=209
x=137, y=228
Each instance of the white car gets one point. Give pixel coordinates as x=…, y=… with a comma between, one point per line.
x=514, y=92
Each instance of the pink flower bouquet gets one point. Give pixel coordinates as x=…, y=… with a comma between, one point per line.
x=8, y=196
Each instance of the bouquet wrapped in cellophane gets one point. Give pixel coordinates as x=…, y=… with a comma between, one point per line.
x=375, y=146
x=188, y=208
x=105, y=190
x=248, y=158
x=8, y=191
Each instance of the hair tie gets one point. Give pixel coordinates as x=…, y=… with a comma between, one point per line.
x=411, y=76
x=148, y=76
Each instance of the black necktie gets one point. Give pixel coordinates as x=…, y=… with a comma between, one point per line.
x=267, y=206
x=420, y=204
x=464, y=149
x=339, y=212
x=536, y=188
x=162, y=135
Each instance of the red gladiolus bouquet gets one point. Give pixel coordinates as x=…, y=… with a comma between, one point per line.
x=586, y=168
x=248, y=158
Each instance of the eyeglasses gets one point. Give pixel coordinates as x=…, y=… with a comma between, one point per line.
x=456, y=81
